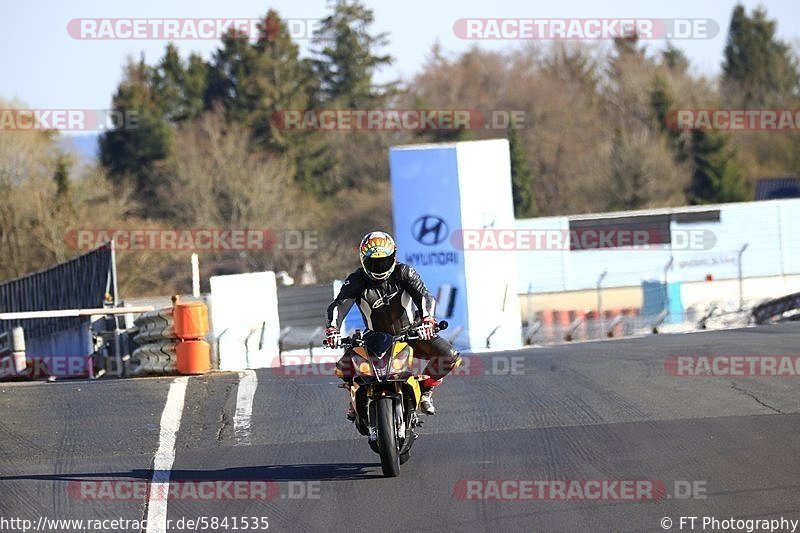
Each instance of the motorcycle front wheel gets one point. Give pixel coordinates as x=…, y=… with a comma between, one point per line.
x=387, y=438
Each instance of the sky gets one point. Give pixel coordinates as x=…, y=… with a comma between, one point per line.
x=44, y=67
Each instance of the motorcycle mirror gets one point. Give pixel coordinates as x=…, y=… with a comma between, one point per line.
x=443, y=324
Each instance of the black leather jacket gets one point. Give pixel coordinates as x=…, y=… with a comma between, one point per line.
x=387, y=305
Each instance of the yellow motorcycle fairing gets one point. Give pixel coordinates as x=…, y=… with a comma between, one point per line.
x=413, y=382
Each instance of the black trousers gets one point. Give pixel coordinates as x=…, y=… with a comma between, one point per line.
x=440, y=354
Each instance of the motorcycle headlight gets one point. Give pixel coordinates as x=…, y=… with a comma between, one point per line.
x=361, y=363
x=400, y=360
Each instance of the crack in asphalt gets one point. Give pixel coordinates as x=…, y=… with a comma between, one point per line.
x=753, y=396
x=224, y=419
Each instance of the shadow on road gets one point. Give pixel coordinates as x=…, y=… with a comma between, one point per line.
x=296, y=472
x=292, y=472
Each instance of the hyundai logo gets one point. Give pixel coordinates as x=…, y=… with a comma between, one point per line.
x=429, y=230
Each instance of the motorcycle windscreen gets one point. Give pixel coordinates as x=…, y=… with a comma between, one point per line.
x=379, y=346
x=378, y=343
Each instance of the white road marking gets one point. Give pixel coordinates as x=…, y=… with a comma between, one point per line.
x=244, y=407
x=165, y=456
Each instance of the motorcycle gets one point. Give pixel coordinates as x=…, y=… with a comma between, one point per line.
x=385, y=393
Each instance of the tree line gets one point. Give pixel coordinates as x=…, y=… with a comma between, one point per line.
x=207, y=151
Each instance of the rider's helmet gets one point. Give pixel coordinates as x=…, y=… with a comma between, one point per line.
x=378, y=255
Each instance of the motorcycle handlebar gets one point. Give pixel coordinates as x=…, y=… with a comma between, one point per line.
x=407, y=336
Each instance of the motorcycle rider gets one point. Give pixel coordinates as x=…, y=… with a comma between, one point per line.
x=386, y=293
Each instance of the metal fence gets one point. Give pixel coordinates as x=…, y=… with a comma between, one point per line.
x=82, y=282
x=302, y=314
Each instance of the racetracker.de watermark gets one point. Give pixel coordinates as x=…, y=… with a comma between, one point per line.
x=192, y=490
x=324, y=365
x=632, y=490
x=533, y=239
x=396, y=119
x=733, y=119
x=728, y=366
x=45, y=366
x=548, y=29
x=67, y=119
x=185, y=29
x=623, y=490
x=192, y=239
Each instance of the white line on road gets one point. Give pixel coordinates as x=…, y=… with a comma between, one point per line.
x=244, y=407
x=165, y=456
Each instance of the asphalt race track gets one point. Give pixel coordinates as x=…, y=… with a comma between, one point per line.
x=592, y=411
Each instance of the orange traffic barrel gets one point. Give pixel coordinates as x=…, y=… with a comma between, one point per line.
x=581, y=314
x=562, y=322
x=547, y=322
x=193, y=357
x=613, y=322
x=191, y=320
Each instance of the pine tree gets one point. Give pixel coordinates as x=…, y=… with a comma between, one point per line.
x=229, y=78
x=167, y=84
x=61, y=176
x=178, y=87
x=521, y=177
x=137, y=154
x=194, y=85
x=346, y=57
x=279, y=81
x=717, y=177
x=662, y=103
x=675, y=59
x=661, y=100
x=758, y=68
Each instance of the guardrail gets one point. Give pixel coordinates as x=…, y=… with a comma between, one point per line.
x=102, y=353
x=774, y=309
x=620, y=319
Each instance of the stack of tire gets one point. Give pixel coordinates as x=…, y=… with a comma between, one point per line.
x=172, y=339
x=155, y=351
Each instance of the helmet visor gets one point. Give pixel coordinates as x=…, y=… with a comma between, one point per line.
x=379, y=265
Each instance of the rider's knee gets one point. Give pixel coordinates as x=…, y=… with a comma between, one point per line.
x=446, y=362
x=344, y=369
